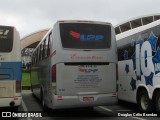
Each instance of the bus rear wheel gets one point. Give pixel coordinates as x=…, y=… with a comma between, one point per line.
x=144, y=103
x=157, y=103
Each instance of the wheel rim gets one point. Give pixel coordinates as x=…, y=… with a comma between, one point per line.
x=144, y=102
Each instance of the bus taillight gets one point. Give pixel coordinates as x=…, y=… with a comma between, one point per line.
x=54, y=73
x=116, y=71
x=18, y=86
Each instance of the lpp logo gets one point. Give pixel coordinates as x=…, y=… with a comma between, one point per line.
x=88, y=70
x=86, y=37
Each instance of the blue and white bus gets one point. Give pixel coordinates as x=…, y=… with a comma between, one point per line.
x=10, y=67
x=74, y=65
x=139, y=66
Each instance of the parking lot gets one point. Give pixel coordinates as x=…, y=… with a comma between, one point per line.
x=123, y=110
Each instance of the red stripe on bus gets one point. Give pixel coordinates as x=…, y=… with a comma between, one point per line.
x=53, y=53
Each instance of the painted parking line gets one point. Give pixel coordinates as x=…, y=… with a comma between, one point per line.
x=138, y=118
x=110, y=110
x=123, y=110
x=25, y=109
x=104, y=108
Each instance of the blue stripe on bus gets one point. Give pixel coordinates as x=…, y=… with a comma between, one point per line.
x=10, y=71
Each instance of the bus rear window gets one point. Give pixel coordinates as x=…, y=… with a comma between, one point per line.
x=85, y=36
x=6, y=38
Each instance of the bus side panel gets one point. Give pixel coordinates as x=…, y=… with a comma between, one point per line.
x=147, y=65
x=126, y=77
x=35, y=83
x=41, y=80
x=45, y=81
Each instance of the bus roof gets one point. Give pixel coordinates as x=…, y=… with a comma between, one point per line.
x=82, y=21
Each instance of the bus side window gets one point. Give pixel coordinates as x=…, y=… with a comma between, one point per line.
x=38, y=54
x=145, y=35
x=42, y=53
x=123, y=53
x=49, y=40
x=120, y=54
x=33, y=59
x=45, y=47
x=128, y=51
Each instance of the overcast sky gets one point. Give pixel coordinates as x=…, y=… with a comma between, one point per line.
x=33, y=15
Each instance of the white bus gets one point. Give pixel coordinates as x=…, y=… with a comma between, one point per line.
x=10, y=67
x=74, y=65
x=139, y=66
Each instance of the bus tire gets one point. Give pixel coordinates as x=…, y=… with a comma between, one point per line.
x=157, y=103
x=144, y=103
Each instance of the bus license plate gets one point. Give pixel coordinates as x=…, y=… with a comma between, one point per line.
x=86, y=99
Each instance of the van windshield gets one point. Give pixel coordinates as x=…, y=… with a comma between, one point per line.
x=85, y=36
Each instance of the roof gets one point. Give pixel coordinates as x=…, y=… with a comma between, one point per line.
x=33, y=39
x=136, y=22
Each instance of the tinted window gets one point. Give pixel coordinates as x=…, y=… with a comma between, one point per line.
x=6, y=38
x=127, y=51
x=85, y=36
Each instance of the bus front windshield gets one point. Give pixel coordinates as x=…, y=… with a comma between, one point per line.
x=85, y=36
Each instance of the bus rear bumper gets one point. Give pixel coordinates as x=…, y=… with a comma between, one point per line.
x=10, y=102
x=83, y=101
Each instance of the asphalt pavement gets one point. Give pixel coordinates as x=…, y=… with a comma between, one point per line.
x=31, y=109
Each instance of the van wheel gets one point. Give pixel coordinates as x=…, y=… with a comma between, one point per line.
x=157, y=103
x=144, y=103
